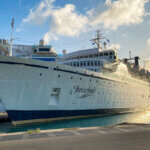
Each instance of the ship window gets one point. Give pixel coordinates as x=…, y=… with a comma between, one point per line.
x=77, y=64
x=91, y=63
x=74, y=64
x=35, y=50
x=111, y=53
x=90, y=56
x=95, y=63
x=110, y=57
x=84, y=63
x=99, y=63
x=95, y=55
x=88, y=63
x=101, y=54
x=105, y=54
x=86, y=56
x=81, y=63
x=71, y=64
x=43, y=49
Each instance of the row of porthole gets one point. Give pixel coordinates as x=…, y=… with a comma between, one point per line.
x=90, y=80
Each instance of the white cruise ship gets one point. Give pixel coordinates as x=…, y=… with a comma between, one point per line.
x=93, y=82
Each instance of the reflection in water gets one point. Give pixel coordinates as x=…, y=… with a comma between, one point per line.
x=138, y=117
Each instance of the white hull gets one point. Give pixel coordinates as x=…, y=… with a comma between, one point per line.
x=41, y=88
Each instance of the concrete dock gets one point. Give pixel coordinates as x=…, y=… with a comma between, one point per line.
x=118, y=137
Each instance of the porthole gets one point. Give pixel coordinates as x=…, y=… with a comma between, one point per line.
x=40, y=74
x=71, y=77
x=58, y=76
x=80, y=78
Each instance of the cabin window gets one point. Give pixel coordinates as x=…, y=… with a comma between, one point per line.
x=105, y=54
x=43, y=49
x=81, y=63
x=99, y=63
x=88, y=63
x=111, y=53
x=84, y=63
x=95, y=63
x=71, y=64
x=86, y=56
x=95, y=55
x=90, y=56
x=35, y=50
x=91, y=63
x=77, y=64
x=74, y=64
x=101, y=54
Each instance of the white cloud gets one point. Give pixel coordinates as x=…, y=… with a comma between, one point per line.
x=148, y=42
x=116, y=46
x=121, y=12
x=66, y=21
x=39, y=15
x=108, y=2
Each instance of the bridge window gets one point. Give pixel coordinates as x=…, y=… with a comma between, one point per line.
x=90, y=56
x=111, y=53
x=95, y=63
x=101, y=54
x=105, y=54
x=95, y=55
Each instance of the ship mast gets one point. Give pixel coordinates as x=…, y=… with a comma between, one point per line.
x=11, y=40
x=97, y=40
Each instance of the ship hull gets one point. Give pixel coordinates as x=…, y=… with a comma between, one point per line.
x=53, y=115
x=35, y=91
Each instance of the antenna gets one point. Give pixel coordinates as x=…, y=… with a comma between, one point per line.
x=11, y=40
x=97, y=39
x=130, y=55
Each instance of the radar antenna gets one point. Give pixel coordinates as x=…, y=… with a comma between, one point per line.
x=97, y=40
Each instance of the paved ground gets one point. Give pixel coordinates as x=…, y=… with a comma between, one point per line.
x=120, y=137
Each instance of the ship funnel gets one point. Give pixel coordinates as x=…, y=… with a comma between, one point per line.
x=136, y=61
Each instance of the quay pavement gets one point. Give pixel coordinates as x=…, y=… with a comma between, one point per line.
x=117, y=137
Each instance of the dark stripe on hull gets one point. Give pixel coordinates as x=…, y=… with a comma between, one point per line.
x=57, y=69
x=30, y=65
x=18, y=115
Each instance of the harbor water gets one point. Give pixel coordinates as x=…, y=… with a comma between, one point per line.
x=136, y=117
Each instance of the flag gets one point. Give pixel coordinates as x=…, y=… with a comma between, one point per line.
x=12, y=23
x=108, y=41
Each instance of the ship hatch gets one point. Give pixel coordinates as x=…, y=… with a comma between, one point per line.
x=54, y=96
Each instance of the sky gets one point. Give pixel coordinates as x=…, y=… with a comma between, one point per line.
x=70, y=24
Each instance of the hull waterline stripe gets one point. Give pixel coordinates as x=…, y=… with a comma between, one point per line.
x=18, y=115
x=30, y=65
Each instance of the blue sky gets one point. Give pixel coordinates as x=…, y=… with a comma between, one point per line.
x=70, y=24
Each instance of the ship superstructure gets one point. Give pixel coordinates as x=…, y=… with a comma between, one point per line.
x=91, y=59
